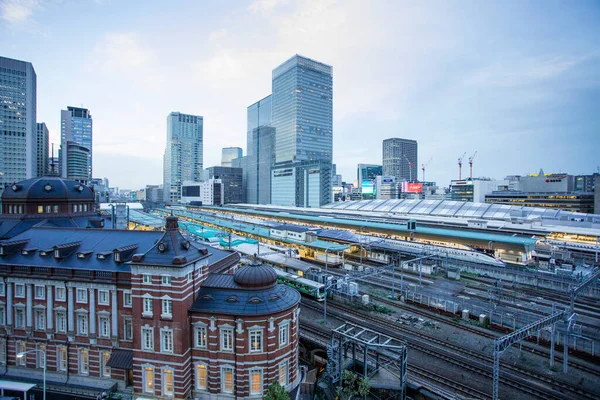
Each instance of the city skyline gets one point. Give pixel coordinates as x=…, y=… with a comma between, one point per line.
x=528, y=81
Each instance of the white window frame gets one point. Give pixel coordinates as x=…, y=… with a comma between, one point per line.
x=147, y=278
x=147, y=333
x=283, y=378
x=257, y=334
x=190, y=276
x=199, y=379
x=284, y=334
x=258, y=371
x=61, y=293
x=224, y=369
x=200, y=337
x=227, y=332
x=167, y=307
x=21, y=311
x=82, y=318
x=40, y=319
x=2, y=315
x=61, y=359
x=22, y=348
x=104, y=326
x=39, y=292
x=101, y=301
x=83, y=366
x=20, y=286
x=61, y=327
x=169, y=392
x=127, y=299
x=2, y=289
x=166, y=340
x=81, y=295
x=2, y=352
x=147, y=306
x=148, y=385
x=127, y=321
x=104, y=368
x=40, y=356
x=166, y=280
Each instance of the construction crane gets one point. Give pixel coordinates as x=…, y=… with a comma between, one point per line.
x=423, y=166
x=471, y=165
x=460, y=165
x=410, y=166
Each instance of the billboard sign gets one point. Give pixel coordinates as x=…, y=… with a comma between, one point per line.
x=367, y=187
x=387, y=179
x=415, y=188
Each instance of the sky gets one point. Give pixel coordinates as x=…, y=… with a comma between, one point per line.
x=518, y=82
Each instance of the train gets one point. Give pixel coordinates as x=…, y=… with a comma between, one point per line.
x=305, y=286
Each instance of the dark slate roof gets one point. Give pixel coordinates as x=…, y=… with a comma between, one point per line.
x=59, y=189
x=102, y=241
x=10, y=227
x=292, y=228
x=121, y=358
x=221, y=295
x=255, y=276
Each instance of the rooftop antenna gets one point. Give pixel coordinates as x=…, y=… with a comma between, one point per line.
x=52, y=161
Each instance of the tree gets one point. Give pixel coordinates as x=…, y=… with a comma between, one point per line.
x=353, y=386
x=276, y=392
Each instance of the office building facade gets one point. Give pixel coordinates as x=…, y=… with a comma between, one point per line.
x=400, y=159
x=18, y=141
x=231, y=179
x=228, y=154
x=210, y=192
x=301, y=184
x=183, y=159
x=367, y=172
x=302, y=115
x=75, y=164
x=43, y=143
x=76, y=126
x=260, y=152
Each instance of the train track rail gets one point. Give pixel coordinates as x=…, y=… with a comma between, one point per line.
x=417, y=374
x=528, y=382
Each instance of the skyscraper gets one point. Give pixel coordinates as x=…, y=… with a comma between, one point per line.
x=75, y=160
x=260, y=152
x=183, y=160
x=18, y=141
x=400, y=159
x=228, y=154
x=76, y=127
x=302, y=115
x=43, y=142
x=367, y=172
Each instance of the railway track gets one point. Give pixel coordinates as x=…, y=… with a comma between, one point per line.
x=540, y=387
x=482, y=332
x=417, y=374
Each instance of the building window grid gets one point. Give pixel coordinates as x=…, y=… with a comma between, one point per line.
x=166, y=341
x=103, y=297
x=167, y=381
x=146, y=278
x=62, y=361
x=104, y=368
x=61, y=294
x=20, y=318
x=256, y=340
x=284, y=334
x=127, y=329
x=19, y=290
x=167, y=308
x=82, y=324
x=40, y=292
x=283, y=373
x=147, y=339
x=148, y=379
x=227, y=379
x=40, y=356
x=127, y=300
x=82, y=296
x=61, y=322
x=227, y=339
x=147, y=306
x=166, y=279
x=21, y=348
x=201, y=337
x=104, y=324
x=40, y=320
x=84, y=362
x=201, y=377
x=256, y=381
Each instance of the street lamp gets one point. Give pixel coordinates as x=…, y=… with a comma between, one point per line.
x=21, y=355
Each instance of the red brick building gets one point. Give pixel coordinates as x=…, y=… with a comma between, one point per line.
x=145, y=311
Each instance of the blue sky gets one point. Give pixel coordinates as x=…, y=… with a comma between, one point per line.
x=516, y=81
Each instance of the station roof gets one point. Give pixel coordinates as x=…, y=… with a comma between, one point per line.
x=443, y=232
x=142, y=218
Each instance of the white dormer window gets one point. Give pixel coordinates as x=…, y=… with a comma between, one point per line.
x=117, y=257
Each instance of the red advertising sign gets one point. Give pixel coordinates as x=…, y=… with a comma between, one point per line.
x=415, y=188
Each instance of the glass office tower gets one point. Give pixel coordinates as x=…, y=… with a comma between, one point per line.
x=76, y=126
x=302, y=115
x=229, y=154
x=18, y=129
x=43, y=144
x=260, y=153
x=183, y=159
x=400, y=159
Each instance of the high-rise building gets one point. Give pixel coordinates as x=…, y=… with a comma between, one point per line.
x=302, y=115
x=18, y=138
x=43, y=143
x=400, y=159
x=367, y=172
x=183, y=160
x=228, y=154
x=76, y=127
x=231, y=179
x=75, y=162
x=261, y=153
x=302, y=184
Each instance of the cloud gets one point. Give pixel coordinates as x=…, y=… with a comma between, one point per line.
x=264, y=6
x=17, y=12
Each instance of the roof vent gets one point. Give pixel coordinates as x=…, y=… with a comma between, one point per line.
x=80, y=188
x=207, y=297
x=163, y=246
x=46, y=252
x=28, y=251
x=179, y=260
x=139, y=257
x=203, y=251
x=233, y=299
x=255, y=300
x=103, y=255
x=82, y=255
x=185, y=244
x=16, y=187
x=47, y=188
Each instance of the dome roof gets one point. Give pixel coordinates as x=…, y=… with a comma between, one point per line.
x=255, y=276
x=48, y=188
